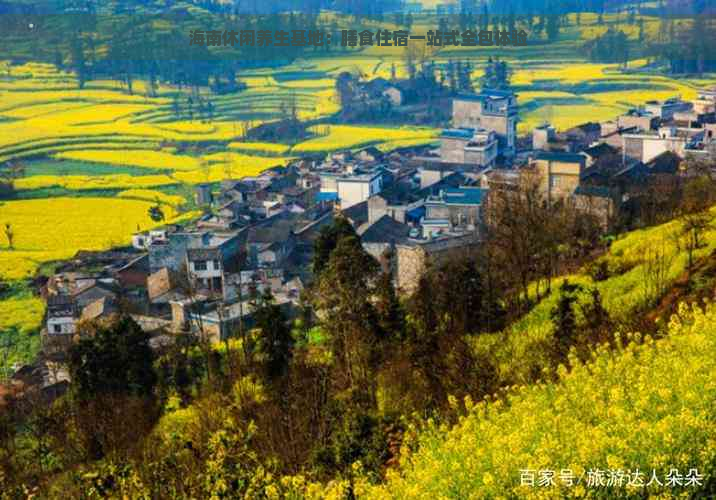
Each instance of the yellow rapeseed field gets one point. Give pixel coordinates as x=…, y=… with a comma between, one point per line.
x=262, y=147
x=135, y=158
x=50, y=229
x=150, y=195
x=80, y=182
x=350, y=136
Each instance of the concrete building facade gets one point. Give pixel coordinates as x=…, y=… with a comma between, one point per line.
x=494, y=110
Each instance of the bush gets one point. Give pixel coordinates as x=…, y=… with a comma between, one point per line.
x=598, y=270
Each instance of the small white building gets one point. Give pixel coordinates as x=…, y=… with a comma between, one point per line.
x=665, y=109
x=62, y=315
x=142, y=241
x=646, y=146
x=354, y=187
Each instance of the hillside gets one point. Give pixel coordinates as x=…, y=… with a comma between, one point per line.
x=638, y=401
x=336, y=383
x=646, y=406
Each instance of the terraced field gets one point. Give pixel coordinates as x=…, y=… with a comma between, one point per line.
x=96, y=159
x=102, y=147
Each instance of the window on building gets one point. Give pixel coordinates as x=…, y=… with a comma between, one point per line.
x=554, y=181
x=57, y=328
x=199, y=265
x=216, y=264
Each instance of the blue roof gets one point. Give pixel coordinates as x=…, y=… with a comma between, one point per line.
x=485, y=94
x=327, y=196
x=458, y=133
x=463, y=196
x=415, y=214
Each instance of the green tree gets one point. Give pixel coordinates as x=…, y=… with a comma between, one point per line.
x=564, y=319
x=276, y=343
x=116, y=360
x=344, y=297
x=328, y=240
x=9, y=235
x=552, y=27
x=78, y=59
x=156, y=213
x=390, y=311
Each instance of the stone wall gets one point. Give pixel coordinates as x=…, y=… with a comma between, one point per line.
x=411, y=261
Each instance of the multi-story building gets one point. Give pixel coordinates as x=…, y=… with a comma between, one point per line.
x=476, y=147
x=645, y=146
x=559, y=173
x=494, y=110
x=705, y=101
x=542, y=135
x=453, y=209
x=638, y=118
x=354, y=187
x=62, y=315
x=210, y=258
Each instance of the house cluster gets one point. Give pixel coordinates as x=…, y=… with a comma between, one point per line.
x=595, y=165
x=202, y=277
x=408, y=206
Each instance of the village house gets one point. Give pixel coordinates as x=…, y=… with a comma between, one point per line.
x=380, y=89
x=215, y=321
x=474, y=147
x=413, y=257
x=164, y=286
x=600, y=202
x=134, y=273
x=611, y=133
x=645, y=146
x=665, y=109
x=453, y=210
x=601, y=153
x=143, y=240
x=559, y=173
x=493, y=110
x=102, y=308
x=381, y=236
x=272, y=244
x=357, y=214
x=355, y=187
x=61, y=315
x=705, y=101
x=542, y=135
x=639, y=119
x=209, y=258
x=203, y=194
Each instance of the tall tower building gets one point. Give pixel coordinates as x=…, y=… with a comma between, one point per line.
x=494, y=110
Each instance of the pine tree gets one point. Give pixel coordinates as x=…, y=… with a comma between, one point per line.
x=327, y=241
x=276, y=342
x=564, y=319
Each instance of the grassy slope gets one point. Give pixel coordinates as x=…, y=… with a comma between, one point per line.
x=647, y=406
x=623, y=294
